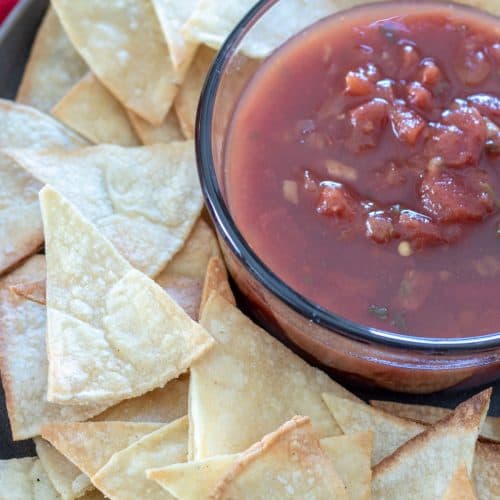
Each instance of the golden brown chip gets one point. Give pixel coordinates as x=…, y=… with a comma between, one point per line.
x=460, y=487
x=124, y=475
x=124, y=46
x=31, y=290
x=288, y=462
x=90, y=109
x=435, y=455
x=216, y=281
x=168, y=131
x=54, y=66
x=248, y=384
x=117, y=335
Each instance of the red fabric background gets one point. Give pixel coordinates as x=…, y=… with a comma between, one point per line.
x=5, y=7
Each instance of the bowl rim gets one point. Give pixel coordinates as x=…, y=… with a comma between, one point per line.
x=261, y=272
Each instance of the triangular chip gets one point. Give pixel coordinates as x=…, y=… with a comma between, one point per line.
x=124, y=46
x=288, y=462
x=351, y=457
x=93, y=111
x=124, y=475
x=434, y=455
x=23, y=359
x=248, y=384
x=431, y=414
x=117, y=334
x=20, y=224
x=31, y=290
x=62, y=473
x=53, y=67
x=161, y=405
x=89, y=445
x=216, y=281
x=389, y=432
x=172, y=15
x=193, y=480
x=460, y=487
x=486, y=470
x=43, y=489
x=186, y=101
x=145, y=199
x=168, y=131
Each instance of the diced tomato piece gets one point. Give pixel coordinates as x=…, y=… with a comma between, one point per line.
x=418, y=228
x=419, y=96
x=334, y=199
x=430, y=73
x=487, y=105
x=410, y=59
x=457, y=196
x=406, y=124
x=379, y=227
x=362, y=81
x=385, y=89
x=367, y=122
x=474, y=68
x=492, y=137
x=414, y=289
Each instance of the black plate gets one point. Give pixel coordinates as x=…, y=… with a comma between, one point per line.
x=16, y=37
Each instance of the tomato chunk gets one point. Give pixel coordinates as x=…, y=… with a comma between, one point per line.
x=334, y=199
x=487, y=105
x=362, y=81
x=419, y=96
x=367, y=123
x=406, y=124
x=379, y=226
x=418, y=228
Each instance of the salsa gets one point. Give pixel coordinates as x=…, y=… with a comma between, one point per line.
x=363, y=167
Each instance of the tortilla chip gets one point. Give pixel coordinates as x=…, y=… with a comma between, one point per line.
x=89, y=445
x=351, y=457
x=186, y=101
x=20, y=224
x=161, y=405
x=124, y=46
x=91, y=109
x=117, y=334
x=389, y=432
x=43, y=489
x=124, y=476
x=193, y=480
x=62, y=473
x=460, y=487
x=486, y=470
x=172, y=15
x=31, y=290
x=431, y=414
x=168, y=131
x=216, y=281
x=53, y=67
x=287, y=462
x=145, y=200
x=23, y=359
x=424, y=466
x=248, y=384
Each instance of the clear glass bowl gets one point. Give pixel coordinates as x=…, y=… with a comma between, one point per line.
x=363, y=355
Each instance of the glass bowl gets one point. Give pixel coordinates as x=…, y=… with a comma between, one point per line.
x=361, y=355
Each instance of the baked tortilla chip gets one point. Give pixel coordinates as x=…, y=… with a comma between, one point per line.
x=248, y=385
x=486, y=470
x=193, y=480
x=288, y=462
x=117, y=335
x=20, y=224
x=351, y=457
x=89, y=445
x=124, y=475
x=186, y=101
x=43, y=489
x=54, y=66
x=31, y=290
x=216, y=281
x=145, y=200
x=460, y=487
x=92, y=110
x=23, y=359
x=67, y=479
x=431, y=414
x=172, y=15
x=389, y=432
x=424, y=466
x=124, y=46
x=168, y=131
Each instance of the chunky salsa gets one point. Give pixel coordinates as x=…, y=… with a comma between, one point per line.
x=363, y=167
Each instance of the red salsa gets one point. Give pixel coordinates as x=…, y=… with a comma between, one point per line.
x=363, y=167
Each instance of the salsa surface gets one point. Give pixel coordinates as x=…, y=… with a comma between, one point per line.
x=363, y=167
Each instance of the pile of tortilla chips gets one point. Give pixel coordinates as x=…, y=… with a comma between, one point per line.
x=122, y=352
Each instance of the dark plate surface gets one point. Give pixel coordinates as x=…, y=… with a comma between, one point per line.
x=16, y=37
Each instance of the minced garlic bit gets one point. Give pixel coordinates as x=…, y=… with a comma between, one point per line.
x=291, y=192
x=341, y=171
x=404, y=249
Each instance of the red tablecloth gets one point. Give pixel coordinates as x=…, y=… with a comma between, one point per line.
x=5, y=7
